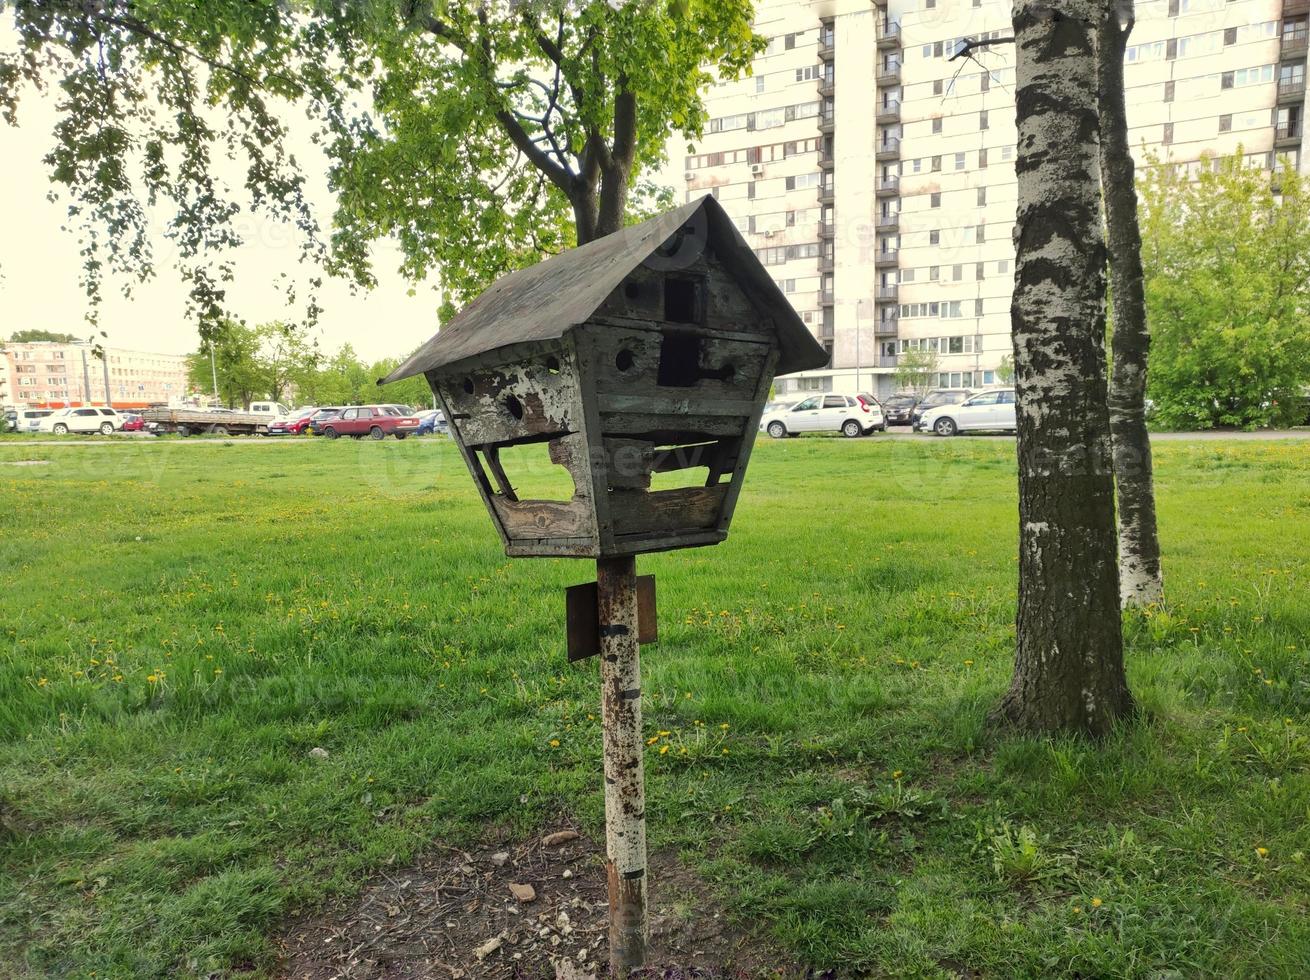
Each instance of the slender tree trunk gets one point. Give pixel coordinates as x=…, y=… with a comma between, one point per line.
x=1068, y=671
x=1140, y=580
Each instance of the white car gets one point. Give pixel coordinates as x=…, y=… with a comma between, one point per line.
x=851, y=415
x=66, y=420
x=986, y=411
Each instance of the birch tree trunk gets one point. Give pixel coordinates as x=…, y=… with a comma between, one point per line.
x=1140, y=579
x=1068, y=671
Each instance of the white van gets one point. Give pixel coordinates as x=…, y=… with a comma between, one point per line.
x=271, y=409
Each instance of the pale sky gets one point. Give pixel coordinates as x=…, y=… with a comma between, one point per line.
x=39, y=265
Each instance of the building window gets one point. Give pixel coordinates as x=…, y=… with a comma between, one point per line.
x=935, y=199
x=978, y=272
x=930, y=5
x=789, y=42
x=1169, y=91
x=1007, y=153
x=759, y=83
x=1171, y=49
x=907, y=275
x=936, y=164
x=1226, y=80
x=982, y=158
x=1002, y=266
x=957, y=273
x=982, y=196
x=985, y=83
x=934, y=273
x=1173, y=8
x=1168, y=136
x=982, y=119
x=934, y=237
x=959, y=161
x=1230, y=36
x=937, y=125
x=977, y=307
x=1225, y=123
x=980, y=234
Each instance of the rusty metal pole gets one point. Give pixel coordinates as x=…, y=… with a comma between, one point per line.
x=625, y=787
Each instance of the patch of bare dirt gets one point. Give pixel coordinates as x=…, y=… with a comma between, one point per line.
x=536, y=909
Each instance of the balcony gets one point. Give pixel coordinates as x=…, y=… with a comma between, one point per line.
x=826, y=161
x=887, y=294
x=825, y=263
x=886, y=360
x=889, y=36
x=889, y=187
x=826, y=86
x=826, y=297
x=1293, y=91
x=890, y=73
x=825, y=121
x=1288, y=136
x=1293, y=45
x=888, y=112
x=826, y=229
x=826, y=193
x=889, y=222
x=882, y=4
x=886, y=325
x=1293, y=7
x=885, y=260
x=826, y=45
x=888, y=149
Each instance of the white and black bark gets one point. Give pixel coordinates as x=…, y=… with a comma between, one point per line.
x=1140, y=579
x=1068, y=672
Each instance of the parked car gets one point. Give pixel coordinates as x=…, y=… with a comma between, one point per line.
x=275, y=409
x=26, y=419
x=322, y=415
x=432, y=422
x=899, y=409
x=374, y=421
x=851, y=415
x=133, y=423
x=986, y=411
x=66, y=420
x=292, y=425
x=934, y=399
x=780, y=405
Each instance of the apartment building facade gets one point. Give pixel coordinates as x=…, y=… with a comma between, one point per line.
x=874, y=175
x=55, y=375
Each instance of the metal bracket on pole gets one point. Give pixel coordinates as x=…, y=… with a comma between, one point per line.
x=582, y=617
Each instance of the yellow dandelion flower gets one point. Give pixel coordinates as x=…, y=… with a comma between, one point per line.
x=1262, y=851
x=724, y=726
x=897, y=774
x=151, y=678
x=664, y=749
x=42, y=682
x=1096, y=903
x=554, y=743
x=652, y=740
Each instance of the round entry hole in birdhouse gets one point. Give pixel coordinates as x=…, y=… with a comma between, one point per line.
x=514, y=406
x=623, y=359
x=552, y=365
x=468, y=386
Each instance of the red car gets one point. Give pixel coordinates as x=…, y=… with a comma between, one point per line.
x=295, y=425
x=133, y=423
x=374, y=421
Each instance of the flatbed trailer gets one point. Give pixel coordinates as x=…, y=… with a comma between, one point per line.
x=194, y=422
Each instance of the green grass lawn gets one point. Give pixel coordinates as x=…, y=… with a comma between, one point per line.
x=181, y=624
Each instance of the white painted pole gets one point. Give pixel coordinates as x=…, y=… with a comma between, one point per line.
x=625, y=788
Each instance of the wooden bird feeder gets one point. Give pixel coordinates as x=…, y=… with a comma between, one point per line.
x=650, y=351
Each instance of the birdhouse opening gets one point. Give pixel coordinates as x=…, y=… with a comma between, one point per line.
x=682, y=300
x=528, y=471
x=679, y=360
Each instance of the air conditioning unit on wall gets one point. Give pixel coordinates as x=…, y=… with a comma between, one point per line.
x=757, y=169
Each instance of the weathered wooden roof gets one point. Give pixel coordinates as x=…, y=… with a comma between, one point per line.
x=545, y=300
